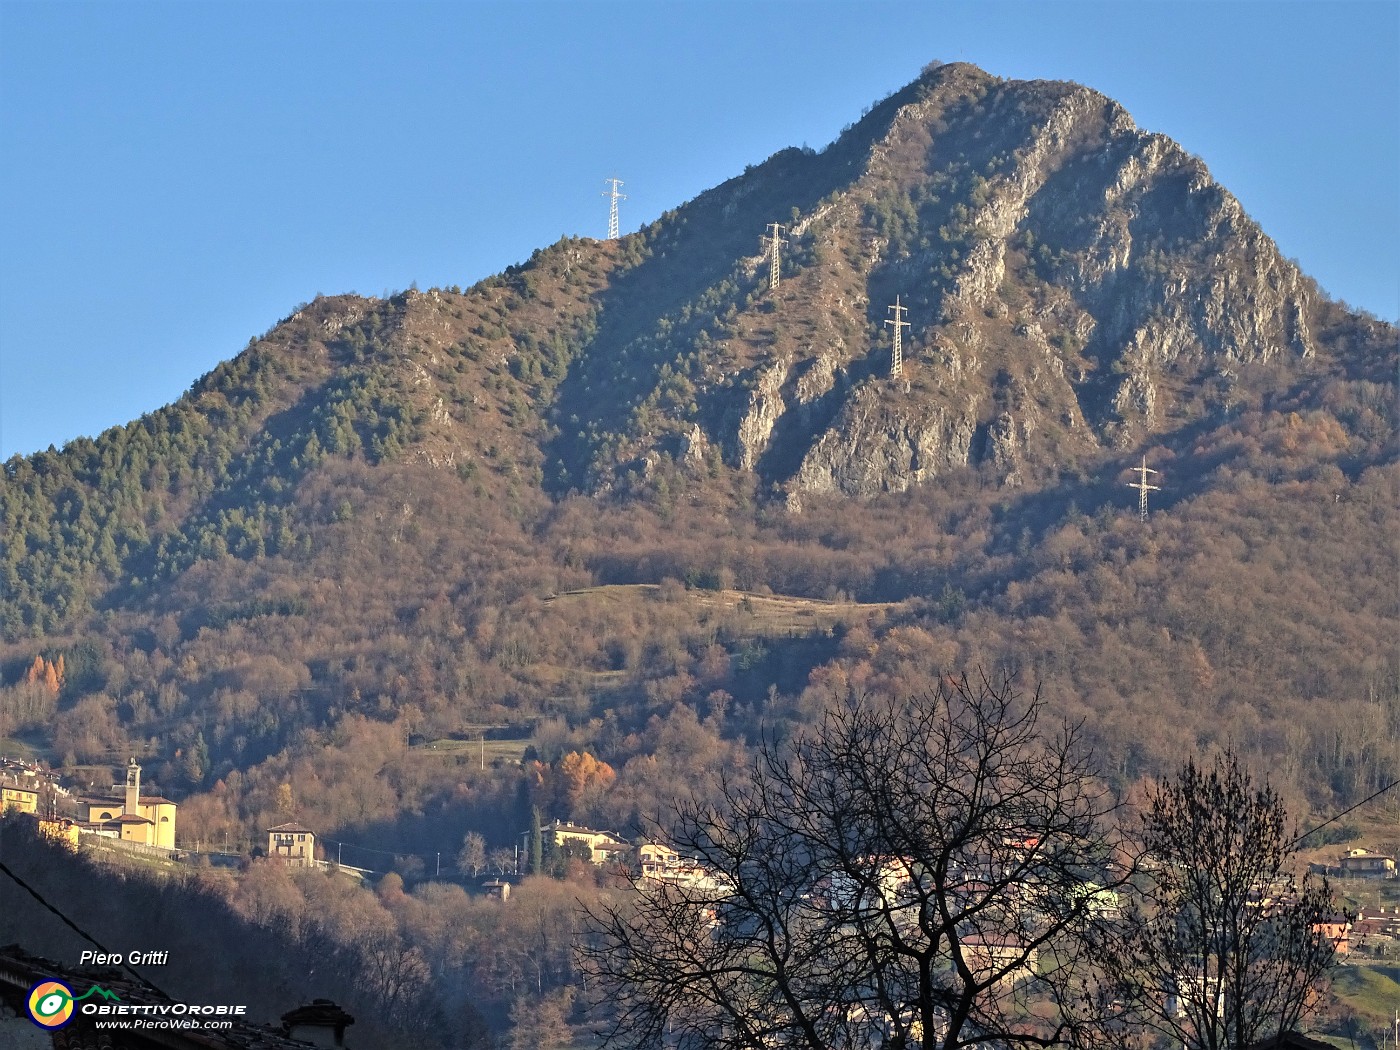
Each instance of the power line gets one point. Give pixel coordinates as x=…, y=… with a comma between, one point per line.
x=1344, y=812
x=80, y=931
x=371, y=849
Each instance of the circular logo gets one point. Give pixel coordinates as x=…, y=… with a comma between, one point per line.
x=51, y=1004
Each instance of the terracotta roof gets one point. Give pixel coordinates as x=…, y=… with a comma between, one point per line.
x=118, y=800
x=127, y=818
x=291, y=828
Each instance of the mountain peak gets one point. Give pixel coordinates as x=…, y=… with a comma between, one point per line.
x=1075, y=286
x=1076, y=290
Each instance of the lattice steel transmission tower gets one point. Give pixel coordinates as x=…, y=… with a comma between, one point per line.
x=897, y=323
x=613, y=197
x=773, y=254
x=1143, y=487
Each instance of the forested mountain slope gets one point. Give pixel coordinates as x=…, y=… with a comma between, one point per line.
x=348, y=538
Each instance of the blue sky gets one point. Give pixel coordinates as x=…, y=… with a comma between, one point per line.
x=178, y=176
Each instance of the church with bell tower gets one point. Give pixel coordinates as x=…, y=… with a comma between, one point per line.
x=134, y=817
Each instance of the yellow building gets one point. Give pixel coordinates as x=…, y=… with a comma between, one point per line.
x=659, y=863
x=604, y=846
x=148, y=819
x=293, y=843
x=1365, y=864
x=63, y=832
x=15, y=796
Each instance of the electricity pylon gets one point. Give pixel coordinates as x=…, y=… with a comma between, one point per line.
x=773, y=254
x=897, y=322
x=1143, y=487
x=613, y=197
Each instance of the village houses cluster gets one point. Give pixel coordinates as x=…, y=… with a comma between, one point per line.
x=124, y=818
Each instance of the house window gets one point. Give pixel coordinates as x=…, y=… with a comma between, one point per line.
x=105, y=816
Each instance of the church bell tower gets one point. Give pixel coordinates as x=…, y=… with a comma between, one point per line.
x=132, y=806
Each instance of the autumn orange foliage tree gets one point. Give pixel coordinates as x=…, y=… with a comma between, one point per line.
x=562, y=786
x=47, y=673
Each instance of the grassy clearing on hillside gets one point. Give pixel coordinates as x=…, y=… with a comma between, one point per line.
x=510, y=751
x=13, y=747
x=1372, y=991
x=750, y=614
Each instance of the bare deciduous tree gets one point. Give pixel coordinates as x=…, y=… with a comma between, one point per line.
x=903, y=874
x=503, y=860
x=541, y=1023
x=1224, y=946
x=472, y=856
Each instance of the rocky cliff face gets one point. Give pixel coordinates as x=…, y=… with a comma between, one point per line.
x=1076, y=287
x=881, y=444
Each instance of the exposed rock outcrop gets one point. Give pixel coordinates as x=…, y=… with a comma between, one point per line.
x=878, y=446
x=765, y=408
